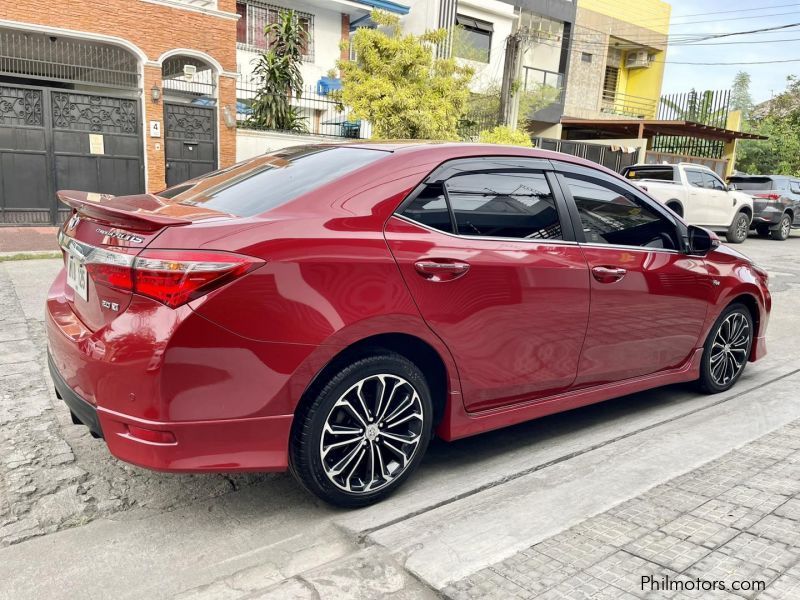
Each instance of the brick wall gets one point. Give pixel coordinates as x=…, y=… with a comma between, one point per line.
x=154, y=29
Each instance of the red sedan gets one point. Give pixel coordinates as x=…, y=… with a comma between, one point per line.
x=328, y=308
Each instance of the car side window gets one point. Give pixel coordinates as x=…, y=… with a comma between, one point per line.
x=795, y=187
x=513, y=204
x=713, y=183
x=612, y=215
x=695, y=178
x=430, y=208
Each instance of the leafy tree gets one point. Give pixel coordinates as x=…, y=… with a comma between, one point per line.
x=740, y=95
x=483, y=108
x=502, y=134
x=279, y=78
x=397, y=84
x=780, y=154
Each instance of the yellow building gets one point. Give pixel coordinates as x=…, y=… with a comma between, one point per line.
x=617, y=59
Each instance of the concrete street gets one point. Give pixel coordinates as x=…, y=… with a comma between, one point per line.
x=666, y=483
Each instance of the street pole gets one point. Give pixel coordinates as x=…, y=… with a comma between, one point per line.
x=509, y=96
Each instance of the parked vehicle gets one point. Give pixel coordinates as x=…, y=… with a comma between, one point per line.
x=697, y=194
x=326, y=308
x=776, y=203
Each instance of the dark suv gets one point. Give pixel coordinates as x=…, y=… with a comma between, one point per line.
x=776, y=202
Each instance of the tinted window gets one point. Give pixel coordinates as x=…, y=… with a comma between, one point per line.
x=695, y=178
x=660, y=173
x=516, y=204
x=712, y=182
x=262, y=183
x=611, y=215
x=430, y=208
x=754, y=183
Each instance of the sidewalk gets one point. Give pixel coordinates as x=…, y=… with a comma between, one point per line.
x=734, y=521
x=28, y=239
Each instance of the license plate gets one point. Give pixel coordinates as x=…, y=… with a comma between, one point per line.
x=77, y=277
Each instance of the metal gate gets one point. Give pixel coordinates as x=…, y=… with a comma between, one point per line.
x=53, y=139
x=190, y=136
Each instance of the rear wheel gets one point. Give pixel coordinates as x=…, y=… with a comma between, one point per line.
x=365, y=432
x=726, y=349
x=737, y=232
x=783, y=229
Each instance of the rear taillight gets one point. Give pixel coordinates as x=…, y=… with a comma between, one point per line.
x=173, y=277
x=768, y=196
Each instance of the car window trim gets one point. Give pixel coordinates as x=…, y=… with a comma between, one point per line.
x=449, y=167
x=463, y=236
x=562, y=168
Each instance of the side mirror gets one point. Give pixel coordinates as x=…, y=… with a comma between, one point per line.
x=701, y=241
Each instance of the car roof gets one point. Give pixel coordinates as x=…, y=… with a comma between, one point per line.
x=762, y=177
x=447, y=150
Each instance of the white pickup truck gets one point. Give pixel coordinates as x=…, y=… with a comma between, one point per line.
x=698, y=195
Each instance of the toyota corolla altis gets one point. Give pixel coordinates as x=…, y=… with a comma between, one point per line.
x=327, y=308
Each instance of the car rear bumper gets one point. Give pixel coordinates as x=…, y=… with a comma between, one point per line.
x=81, y=410
x=170, y=391
x=765, y=214
x=254, y=444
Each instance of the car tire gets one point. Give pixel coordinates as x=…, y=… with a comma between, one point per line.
x=783, y=229
x=763, y=230
x=726, y=349
x=345, y=448
x=737, y=232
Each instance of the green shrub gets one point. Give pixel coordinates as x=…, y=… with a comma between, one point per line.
x=505, y=135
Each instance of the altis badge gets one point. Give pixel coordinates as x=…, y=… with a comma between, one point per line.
x=125, y=237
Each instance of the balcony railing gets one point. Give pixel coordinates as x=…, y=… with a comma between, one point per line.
x=628, y=106
x=533, y=79
x=319, y=114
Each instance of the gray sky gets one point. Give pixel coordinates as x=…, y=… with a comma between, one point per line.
x=765, y=79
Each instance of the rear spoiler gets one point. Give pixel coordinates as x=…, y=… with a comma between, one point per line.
x=139, y=212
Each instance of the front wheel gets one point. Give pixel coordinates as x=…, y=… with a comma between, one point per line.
x=726, y=349
x=783, y=230
x=364, y=432
x=762, y=230
x=737, y=232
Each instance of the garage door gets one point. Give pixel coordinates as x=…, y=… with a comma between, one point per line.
x=53, y=139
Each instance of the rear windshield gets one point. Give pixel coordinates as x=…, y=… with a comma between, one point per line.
x=662, y=173
x=264, y=182
x=752, y=183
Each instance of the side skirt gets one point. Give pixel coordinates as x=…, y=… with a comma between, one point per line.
x=458, y=423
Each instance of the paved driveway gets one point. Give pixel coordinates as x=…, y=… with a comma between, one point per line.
x=76, y=522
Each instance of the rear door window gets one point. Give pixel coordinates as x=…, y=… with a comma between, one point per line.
x=514, y=204
x=262, y=183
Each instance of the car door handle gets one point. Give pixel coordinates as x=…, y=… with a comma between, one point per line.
x=441, y=270
x=608, y=274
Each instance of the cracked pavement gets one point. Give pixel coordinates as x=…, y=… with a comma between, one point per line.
x=577, y=505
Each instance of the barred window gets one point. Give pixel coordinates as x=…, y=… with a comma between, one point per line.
x=255, y=16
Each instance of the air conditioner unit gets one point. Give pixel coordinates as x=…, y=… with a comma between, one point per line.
x=639, y=59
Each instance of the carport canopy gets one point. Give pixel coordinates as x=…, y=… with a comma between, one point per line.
x=648, y=128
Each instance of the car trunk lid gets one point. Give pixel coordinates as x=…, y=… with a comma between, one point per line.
x=101, y=239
